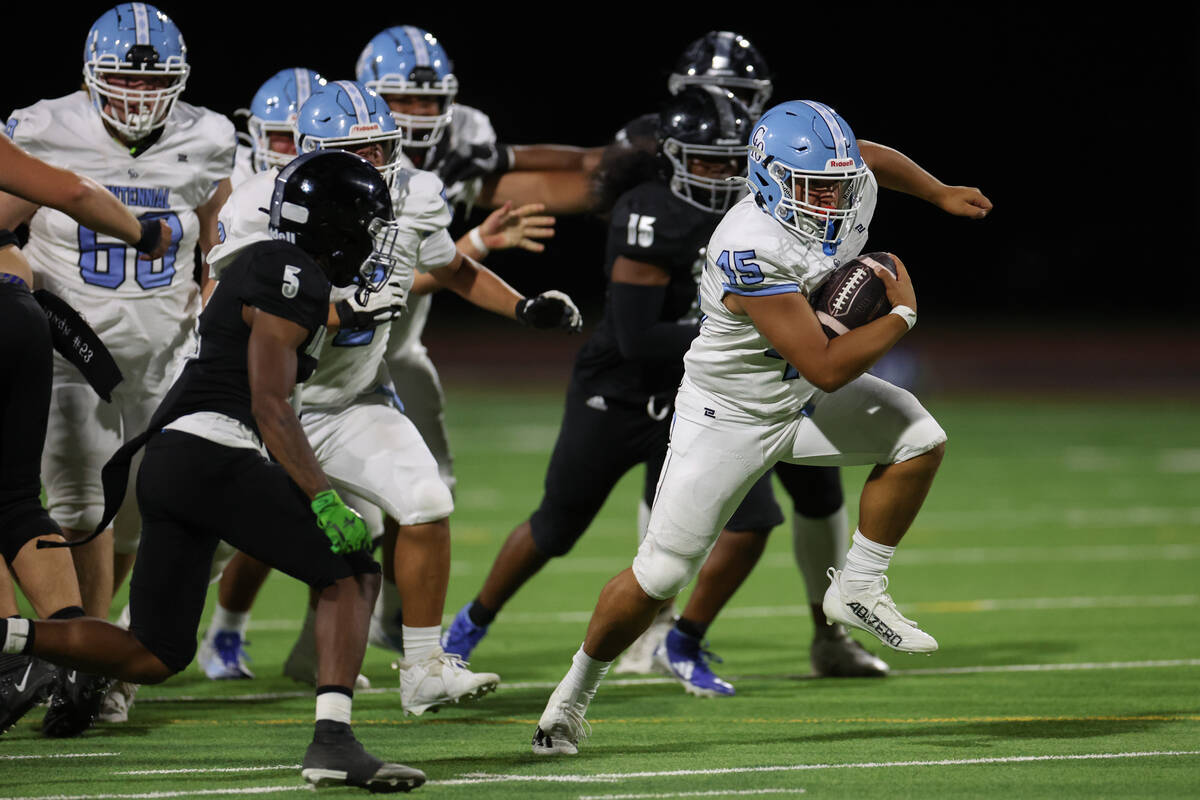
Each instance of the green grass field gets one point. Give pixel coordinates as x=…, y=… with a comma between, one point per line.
x=1056, y=563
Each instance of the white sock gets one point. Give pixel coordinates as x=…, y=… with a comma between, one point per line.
x=819, y=543
x=334, y=706
x=866, y=562
x=124, y=619
x=16, y=635
x=583, y=679
x=420, y=643
x=225, y=620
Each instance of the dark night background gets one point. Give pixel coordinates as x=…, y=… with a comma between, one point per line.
x=1081, y=126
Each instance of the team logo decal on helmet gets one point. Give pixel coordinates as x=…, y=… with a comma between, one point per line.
x=135, y=67
x=806, y=171
x=336, y=207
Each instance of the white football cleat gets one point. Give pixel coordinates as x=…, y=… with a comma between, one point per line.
x=835, y=655
x=439, y=680
x=561, y=726
x=116, y=704
x=874, y=611
x=639, y=659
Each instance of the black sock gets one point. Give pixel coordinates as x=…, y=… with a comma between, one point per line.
x=479, y=614
x=687, y=627
x=329, y=731
x=68, y=612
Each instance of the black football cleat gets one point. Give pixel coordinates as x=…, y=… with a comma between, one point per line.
x=74, y=703
x=25, y=681
x=336, y=758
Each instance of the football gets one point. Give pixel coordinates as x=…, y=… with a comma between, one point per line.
x=853, y=295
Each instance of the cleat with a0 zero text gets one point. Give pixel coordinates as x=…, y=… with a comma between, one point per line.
x=874, y=611
x=336, y=758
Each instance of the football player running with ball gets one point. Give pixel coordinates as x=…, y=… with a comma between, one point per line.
x=762, y=383
x=164, y=159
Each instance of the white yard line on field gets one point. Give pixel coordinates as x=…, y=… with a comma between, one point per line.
x=61, y=755
x=243, y=790
x=609, y=777
x=1094, y=665
x=215, y=770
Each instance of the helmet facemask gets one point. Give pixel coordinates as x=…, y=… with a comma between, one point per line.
x=420, y=131
x=135, y=112
x=387, y=162
x=819, y=206
x=753, y=92
x=265, y=157
x=716, y=191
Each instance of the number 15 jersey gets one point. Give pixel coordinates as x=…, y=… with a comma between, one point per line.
x=751, y=254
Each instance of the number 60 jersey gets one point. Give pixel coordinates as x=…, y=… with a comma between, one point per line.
x=169, y=179
x=751, y=254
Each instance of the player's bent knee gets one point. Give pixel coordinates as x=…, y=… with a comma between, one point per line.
x=925, y=435
x=432, y=500
x=661, y=573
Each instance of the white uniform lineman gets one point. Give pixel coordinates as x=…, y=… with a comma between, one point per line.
x=415, y=377
x=144, y=310
x=364, y=444
x=740, y=406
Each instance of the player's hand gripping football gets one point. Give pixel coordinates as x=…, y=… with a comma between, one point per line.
x=508, y=227
x=551, y=309
x=900, y=290
x=345, y=528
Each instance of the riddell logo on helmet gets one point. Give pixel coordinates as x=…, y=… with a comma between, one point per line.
x=372, y=128
x=838, y=163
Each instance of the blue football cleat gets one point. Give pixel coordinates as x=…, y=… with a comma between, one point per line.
x=688, y=659
x=223, y=657
x=463, y=635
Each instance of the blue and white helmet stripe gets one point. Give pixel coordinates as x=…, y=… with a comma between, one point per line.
x=835, y=128
x=416, y=40
x=356, y=100
x=141, y=23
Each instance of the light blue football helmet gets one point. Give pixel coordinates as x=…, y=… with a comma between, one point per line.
x=344, y=115
x=806, y=171
x=273, y=110
x=406, y=60
x=134, y=41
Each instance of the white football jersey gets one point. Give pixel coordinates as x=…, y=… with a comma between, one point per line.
x=170, y=179
x=752, y=254
x=350, y=363
x=467, y=126
x=243, y=165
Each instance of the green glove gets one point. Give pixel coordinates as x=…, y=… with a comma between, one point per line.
x=345, y=528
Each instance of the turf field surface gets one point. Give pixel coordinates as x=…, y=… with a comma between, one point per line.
x=1055, y=561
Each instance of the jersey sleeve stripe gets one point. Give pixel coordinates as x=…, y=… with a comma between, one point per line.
x=779, y=288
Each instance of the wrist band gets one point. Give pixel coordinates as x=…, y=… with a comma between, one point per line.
x=151, y=235
x=476, y=240
x=905, y=313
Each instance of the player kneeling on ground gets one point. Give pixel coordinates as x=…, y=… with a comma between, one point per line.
x=763, y=383
x=206, y=474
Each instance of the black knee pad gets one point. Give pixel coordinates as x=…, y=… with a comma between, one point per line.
x=556, y=530
x=21, y=522
x=816, y=492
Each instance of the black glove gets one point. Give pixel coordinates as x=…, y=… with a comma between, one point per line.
x=551, y=309
x=469, y=161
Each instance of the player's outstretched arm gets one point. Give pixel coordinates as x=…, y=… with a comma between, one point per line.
x=898, y=172
x=35, y=183
x=507, y=227
x=789, y=324
x=561, y=191
x=478, y=285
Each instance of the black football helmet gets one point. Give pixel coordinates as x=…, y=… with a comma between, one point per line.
x=702, y=134
x=335, y=206
x=728, y=60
